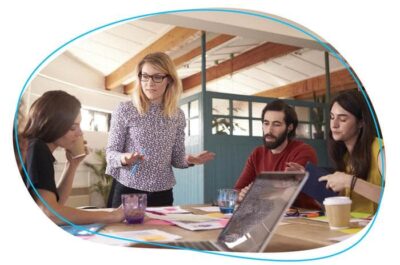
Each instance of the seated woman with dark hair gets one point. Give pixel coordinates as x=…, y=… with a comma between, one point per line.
x=53, y=122
x=356, y=151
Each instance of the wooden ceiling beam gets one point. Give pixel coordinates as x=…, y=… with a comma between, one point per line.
x=259, y=54
x=340, y=80
x=128, y=89
x=215, y=42
x=168, y=41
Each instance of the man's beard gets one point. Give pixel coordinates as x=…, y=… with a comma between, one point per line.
x=278, y=140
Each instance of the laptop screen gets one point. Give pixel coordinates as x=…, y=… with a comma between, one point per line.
x=252, y=224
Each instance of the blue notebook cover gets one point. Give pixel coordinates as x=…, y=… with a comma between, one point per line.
x=315, y=189
x=82, y=230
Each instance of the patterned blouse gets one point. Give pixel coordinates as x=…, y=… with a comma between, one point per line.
x=160, y=139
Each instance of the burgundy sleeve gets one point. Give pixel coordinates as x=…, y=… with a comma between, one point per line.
x=248, y=174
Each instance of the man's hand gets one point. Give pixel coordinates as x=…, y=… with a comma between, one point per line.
x=243, y=192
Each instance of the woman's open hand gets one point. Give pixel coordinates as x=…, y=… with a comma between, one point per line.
x=128, y=159
x=200, y=158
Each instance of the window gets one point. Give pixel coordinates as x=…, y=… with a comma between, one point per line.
x=191, y=111
x=243, y=118
x=303, y=113
x=241, y=127
x=220, y=106
x=257, y=108
x=240, y=108
x=303, y=131
x=257, y=128
x=95, y=121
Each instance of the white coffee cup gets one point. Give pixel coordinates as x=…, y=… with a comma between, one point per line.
x=78, y=149
x=337, y=209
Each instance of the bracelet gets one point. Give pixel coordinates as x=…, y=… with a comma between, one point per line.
x=353, y=182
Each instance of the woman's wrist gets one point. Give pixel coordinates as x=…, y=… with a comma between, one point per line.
x=353, y=182
x=348, y=180
x=122, y=160
x=190, y=164
x=71, y=164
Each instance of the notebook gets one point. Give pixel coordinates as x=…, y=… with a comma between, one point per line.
x=255, y=220
x=315, y=189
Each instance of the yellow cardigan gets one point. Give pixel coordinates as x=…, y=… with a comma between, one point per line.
x=360, y=203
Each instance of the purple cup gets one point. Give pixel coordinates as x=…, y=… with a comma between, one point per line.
x=134, y=206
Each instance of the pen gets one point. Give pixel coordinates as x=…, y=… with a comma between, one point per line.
x=137, y=163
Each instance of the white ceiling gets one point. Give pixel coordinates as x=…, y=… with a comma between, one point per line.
x=107, y=50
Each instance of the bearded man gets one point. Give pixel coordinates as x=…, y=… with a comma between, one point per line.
x=279, y=149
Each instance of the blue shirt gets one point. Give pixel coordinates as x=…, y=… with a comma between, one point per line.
x=159, y=138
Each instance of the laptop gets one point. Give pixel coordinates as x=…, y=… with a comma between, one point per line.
x=253, y=223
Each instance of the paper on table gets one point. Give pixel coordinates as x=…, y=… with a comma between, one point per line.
x=208, y=209
x=216, y=224
x=182, y=217
x=151, y=235
x=191, y=221
x=166, y=210
x=219, y=215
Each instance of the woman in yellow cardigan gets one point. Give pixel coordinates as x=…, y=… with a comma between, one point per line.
x=356, y=151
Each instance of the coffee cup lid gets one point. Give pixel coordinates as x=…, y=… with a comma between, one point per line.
x=337, y=200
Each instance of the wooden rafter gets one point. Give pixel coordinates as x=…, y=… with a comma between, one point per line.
x=340, y=80
x=259, y=54
x=168, y=41
x=218, y=40
x=128, y=89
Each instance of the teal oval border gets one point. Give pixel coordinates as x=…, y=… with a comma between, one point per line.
x=264, y=16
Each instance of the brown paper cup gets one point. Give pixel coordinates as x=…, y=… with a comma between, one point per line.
x=78, y=149
x=337, y=209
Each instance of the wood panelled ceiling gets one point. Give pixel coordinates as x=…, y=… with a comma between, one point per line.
x=235, y=64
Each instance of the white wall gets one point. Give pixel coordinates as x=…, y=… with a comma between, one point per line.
x=68, y=74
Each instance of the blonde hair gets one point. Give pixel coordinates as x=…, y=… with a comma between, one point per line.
x=172, y=93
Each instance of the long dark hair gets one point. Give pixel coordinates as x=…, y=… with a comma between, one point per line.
x=360, y=158
x=51, y=116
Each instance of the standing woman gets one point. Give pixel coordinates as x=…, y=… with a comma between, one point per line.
x=147, y=135
x=355, y=149
x=53, y=122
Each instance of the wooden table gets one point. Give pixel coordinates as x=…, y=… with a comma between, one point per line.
x=293, y=234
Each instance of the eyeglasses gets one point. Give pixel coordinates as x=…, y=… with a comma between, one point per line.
x=157, y=78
